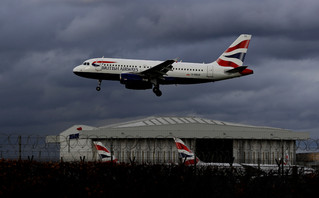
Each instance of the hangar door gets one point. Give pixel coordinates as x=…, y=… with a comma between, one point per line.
x=215, y=150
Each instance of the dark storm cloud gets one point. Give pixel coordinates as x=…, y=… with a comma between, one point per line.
x=41, y=42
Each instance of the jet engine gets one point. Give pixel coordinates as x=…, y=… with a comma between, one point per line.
x=134, y=81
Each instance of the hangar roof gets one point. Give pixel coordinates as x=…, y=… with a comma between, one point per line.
x=152, y=121
x=189, y=127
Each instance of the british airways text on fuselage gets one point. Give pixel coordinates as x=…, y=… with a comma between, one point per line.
x=119, y=68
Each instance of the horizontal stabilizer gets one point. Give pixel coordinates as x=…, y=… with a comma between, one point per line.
x=237, y=69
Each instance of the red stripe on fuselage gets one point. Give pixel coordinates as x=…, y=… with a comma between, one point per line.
x=246, y=72
x=191, y=162
x=103, y=62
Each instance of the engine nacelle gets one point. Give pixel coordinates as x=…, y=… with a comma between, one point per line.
x=134, y=81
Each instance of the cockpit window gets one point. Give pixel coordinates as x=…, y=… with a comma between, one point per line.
x=86, y=63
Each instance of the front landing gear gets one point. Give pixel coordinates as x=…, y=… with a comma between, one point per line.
x=157, y=91
x=98, y=88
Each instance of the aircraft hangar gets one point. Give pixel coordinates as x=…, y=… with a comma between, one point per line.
x=150, y=140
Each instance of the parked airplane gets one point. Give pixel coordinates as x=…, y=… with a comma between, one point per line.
x=185, y=154
x=188, y=157
x=147, y=74
x=104, y=153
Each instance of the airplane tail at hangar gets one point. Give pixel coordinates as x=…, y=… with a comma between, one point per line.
x=104, y=153
x=187, y=156
x=234, y=55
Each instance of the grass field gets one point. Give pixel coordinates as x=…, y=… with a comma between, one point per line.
x=61, y=179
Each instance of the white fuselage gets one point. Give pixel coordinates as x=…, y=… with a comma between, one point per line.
x=181, y=73
x=146, y=74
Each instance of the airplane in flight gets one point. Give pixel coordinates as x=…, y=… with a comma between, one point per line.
x=147, y=74
x=104, y=153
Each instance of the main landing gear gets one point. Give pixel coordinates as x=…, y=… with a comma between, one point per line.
x=157, y=91
x=98, y=88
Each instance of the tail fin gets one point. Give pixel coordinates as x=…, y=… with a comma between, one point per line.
x=185, y=153
x=286, y=160
x=104, y=153
x=235, y=54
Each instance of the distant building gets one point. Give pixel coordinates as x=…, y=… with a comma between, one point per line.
x=149, y=140
x=308, y=159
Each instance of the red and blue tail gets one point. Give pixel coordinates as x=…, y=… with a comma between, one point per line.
x=185, y=153
x=234, y=55
x=104, y=154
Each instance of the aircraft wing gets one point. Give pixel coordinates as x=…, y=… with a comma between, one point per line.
x=159, y=70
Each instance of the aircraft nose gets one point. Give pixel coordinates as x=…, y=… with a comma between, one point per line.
x=77, y=69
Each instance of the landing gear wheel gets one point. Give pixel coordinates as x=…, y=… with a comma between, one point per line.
x=157, y=91
x=98, y=88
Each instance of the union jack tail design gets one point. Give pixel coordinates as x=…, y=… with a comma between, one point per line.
x=185, y=153
x=235, y=54
x=286, y=160
x=104, y=153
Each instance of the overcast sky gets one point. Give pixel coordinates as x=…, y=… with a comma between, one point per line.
x=41, y=41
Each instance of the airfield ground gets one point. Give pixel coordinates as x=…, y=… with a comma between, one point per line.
x=58, y=179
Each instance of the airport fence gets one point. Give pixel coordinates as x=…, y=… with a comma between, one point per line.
x=28, y=147
x=136, y=150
